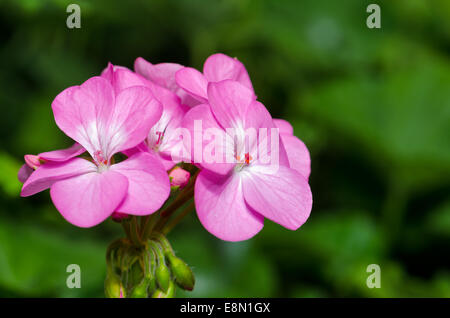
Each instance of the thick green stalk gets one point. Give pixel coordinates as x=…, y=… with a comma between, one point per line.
x=165, y=230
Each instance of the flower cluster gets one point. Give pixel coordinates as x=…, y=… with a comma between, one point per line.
x=165, y=133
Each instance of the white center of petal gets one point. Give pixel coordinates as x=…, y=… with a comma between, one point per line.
x=156, y=137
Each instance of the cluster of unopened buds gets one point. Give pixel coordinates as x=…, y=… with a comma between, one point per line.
x=145, y=270
x=153, y=144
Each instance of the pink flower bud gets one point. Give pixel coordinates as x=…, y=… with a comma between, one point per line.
x=179, y=177
x=32, y=161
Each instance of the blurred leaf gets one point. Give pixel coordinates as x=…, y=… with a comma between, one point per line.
x=401, y=121
x=256, y=277
x=438, y=221
x=33, y=262
x=9, y=168
x=38, y=131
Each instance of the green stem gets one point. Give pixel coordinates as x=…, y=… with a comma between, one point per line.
x=149, y=224
x=178, y=218
x=152, y=222
x=126, y=228
x=134, y=231
x=178, y=203
x=109, y=253
x=156, y=248
x=163, y=241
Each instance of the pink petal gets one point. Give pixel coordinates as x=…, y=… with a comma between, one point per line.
x=187, y=99
x=122, y=78
x=172, y=115
x=142, y=147
x=167, y=163
x=109, y=72
x=148, y=184
x=91, y=115
x=221, y=208
x=24, y=173
x=135, y=112
x=82, y=112
x=229, y=102
x=32, y=161
x=282, y=196
x=47, y=174
x=165, y=134
x=64, y=154
x=193, y=82
x=162, y=74
x=284, y=126
x=168, y=99
x=88, y=199
x=259, y=118
x=298, y=154
x=205, y=120
x=219, y=67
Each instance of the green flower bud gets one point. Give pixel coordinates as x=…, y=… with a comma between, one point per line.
x=122, y=256
x=151, y=285
x=150, y=269
x=181, y=271
x=114, y=255
x=113, y=286
x=169, y=294
x=135, y=273
x=140, y=291
x=162, y=272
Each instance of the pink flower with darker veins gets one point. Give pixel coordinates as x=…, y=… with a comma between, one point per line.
x=163, y=138
x=219, y=67
x=103, y=122
x=232, y=199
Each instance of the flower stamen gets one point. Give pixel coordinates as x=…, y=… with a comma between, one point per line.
x=99, y=158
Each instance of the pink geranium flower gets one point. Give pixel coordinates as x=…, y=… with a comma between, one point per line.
x=232, y=199
x=164, y=138
x=103, y=122
x=217, y=67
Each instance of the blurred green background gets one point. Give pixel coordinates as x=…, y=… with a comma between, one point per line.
x=372, y=105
